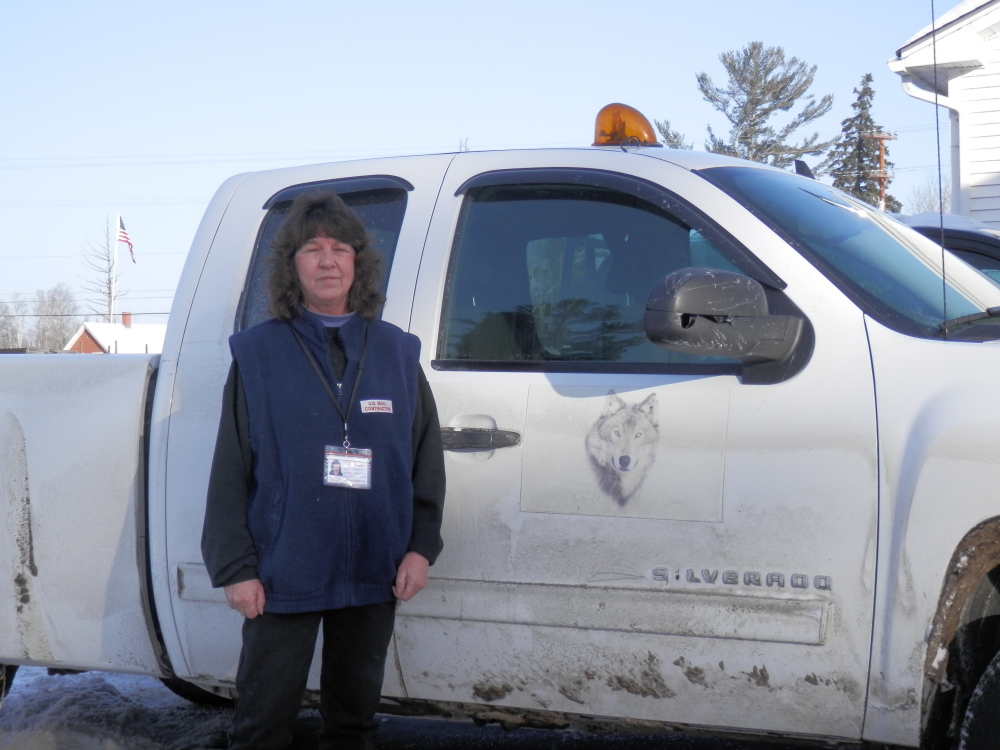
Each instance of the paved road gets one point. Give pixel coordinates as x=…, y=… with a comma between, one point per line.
x=101, y=711
x=434, y=734
x=398, y=734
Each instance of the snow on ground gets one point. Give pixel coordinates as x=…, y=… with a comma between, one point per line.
x=103, y=711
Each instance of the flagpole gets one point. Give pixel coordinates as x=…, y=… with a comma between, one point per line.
x=114, y=267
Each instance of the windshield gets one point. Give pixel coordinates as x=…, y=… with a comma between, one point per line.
x=889, y=270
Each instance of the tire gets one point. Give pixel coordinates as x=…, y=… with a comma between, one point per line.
x=195, y=694
x=981, y=726
x=7, y=674
x=9, y=670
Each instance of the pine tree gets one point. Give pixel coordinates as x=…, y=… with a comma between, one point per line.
x=762, y=84
x=854, y=160
x=672, y=138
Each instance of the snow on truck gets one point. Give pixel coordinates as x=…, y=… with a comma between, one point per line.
x=723, y=452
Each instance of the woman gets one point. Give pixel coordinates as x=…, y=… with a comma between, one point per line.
x=293, y=547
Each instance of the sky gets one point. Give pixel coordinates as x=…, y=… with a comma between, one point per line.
x=145, y=108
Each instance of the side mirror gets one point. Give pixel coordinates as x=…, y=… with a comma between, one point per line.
x=706, y=311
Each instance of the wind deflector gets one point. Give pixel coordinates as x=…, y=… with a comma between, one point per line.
x=564, y=176
x=637, y=187
x=343, y=185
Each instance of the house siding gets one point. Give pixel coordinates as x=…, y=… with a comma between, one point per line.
x=968, y=52
x=86, y=344
x=977, y=96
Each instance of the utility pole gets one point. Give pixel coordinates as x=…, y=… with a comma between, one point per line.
x=882, y=176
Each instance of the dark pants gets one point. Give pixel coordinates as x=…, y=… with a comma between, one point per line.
x=274, y=667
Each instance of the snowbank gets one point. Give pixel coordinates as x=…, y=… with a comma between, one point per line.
x=103, y=711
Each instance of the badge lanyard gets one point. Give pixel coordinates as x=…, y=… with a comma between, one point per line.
x=346, y=466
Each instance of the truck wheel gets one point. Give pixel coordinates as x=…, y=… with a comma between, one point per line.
x=195, y=694
x=9, y=670
x=981, y=726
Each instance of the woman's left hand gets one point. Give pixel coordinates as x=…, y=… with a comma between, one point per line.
x=411, y=576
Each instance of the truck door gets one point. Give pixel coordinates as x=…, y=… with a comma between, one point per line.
x=632, y=532
x=225, y=284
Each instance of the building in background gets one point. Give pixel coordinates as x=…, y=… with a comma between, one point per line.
x=958, y=67
x=118, y=338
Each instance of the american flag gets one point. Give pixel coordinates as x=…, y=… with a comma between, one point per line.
x=123, y=237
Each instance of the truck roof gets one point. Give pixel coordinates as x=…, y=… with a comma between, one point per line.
x=684, y=158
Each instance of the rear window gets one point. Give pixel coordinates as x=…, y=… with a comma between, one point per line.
x=381, y=212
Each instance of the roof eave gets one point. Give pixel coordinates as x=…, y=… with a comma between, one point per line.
x=950, y=24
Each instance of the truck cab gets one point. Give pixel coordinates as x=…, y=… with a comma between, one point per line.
x=718, y=441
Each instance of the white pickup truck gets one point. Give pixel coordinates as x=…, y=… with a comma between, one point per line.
x=723, y=453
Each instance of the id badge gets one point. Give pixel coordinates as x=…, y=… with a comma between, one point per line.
x=347, y=467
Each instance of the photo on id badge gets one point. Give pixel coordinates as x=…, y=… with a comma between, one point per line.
x=347, y=467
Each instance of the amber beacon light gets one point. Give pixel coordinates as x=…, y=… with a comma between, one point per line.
x=622, y=125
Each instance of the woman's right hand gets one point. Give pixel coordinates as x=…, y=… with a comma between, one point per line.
x=246, y=597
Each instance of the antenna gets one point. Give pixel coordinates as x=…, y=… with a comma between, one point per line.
x=937, y=130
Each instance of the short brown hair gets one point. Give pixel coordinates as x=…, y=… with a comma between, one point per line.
x=322, y=214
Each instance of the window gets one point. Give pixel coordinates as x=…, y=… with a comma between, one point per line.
x=380, y=208
x=985, y=263
x=894, y=276
x=556, y=277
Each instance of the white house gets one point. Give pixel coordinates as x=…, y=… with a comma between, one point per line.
x=965, y=44
x=118, y=338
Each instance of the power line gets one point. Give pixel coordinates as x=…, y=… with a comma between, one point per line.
x=912, y=129
x=187, y=160
x=137, y=160
x=64, y=162
x=130, y=296
x=131, y=292
x=914, y=169
x=71, y=315
x=77, y=255
x=85, y=300
x=104, y=202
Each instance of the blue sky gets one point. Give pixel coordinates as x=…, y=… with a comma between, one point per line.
x=146, y=107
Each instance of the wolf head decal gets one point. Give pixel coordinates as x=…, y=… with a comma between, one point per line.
x=622, y=444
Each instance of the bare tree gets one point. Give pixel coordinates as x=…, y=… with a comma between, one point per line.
x=55, y=312
x=14, y=324
x=926, y=197
x=46, y=323
x=99, y=257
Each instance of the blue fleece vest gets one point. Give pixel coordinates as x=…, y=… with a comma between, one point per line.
x=321, y=547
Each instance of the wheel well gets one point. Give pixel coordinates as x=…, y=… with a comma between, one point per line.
x=964, y=636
